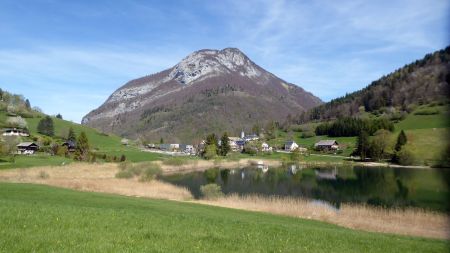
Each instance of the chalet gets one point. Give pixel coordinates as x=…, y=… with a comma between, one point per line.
x=15, y=132
x=327, y=145
x=290, y=146
x=70, y=145
x=27, y=148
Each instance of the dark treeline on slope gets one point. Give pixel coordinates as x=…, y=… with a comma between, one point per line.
x=353, y=126
x=423, y=81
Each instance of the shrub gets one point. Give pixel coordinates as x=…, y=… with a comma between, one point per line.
x=124, y=174
x=406, y=157
x=308, y=134
x=150, y=173
x=211, y=191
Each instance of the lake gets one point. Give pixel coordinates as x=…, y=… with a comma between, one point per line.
x=380, y=186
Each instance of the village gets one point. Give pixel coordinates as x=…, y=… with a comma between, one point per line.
x=236, y=144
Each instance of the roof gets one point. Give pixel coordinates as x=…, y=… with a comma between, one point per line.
x=26, y=144
x=326, y=143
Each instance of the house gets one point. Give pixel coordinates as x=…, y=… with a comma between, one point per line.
x=169, y=147
x=151, y=145
x=240, y=144
x=265, y=147
x=15, y=132
x=327, y=145
x=70, y=145
x=27, y=148
x=233, y=145
x=290, y=146
x=165, y=147
x=187, y=148
x=251, y=137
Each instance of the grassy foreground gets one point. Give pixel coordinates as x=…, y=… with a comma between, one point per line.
x=41, y=218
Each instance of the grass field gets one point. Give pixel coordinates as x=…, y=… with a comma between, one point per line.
x=35, y=160
x=45, y=219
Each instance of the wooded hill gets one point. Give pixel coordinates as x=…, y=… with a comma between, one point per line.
x=421, y=82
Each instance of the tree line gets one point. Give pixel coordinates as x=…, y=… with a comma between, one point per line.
x=349, y=126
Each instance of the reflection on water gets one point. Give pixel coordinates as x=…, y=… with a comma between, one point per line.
x=390, y=187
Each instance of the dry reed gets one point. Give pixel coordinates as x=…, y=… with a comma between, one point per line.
x=410, y=221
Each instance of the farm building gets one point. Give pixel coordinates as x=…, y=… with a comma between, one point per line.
x=27, y=148
x=327, y=145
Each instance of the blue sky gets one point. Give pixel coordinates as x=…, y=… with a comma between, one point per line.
x=68, y=56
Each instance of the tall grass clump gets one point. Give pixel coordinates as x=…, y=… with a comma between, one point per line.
x=145, y=171
x=211, y=191
x=150, y=173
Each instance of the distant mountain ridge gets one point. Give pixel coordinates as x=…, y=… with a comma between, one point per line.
x=423, y=81
x=208, y=91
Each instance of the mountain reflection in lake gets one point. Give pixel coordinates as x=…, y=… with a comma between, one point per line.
x=390, y=187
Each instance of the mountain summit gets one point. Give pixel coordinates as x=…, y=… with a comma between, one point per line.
x=208, y=91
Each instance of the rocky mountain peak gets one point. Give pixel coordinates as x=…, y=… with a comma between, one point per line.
x=208, y=63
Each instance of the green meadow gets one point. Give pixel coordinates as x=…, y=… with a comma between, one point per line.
x=39, y=218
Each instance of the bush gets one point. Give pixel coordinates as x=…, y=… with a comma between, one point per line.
x=150, y=173
x=124, y=174
x=406, y=157
x=308, y=134
x=211, y=191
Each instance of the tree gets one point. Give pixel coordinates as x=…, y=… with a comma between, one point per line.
x=401, y=140
x=46, y=127
x=27, y=104
x=161, y=141
x=71, y=136
x=59, y=116
x=224, y=148
x=210, y=151
x=379, y=144
x=82, y=148
x=296, y=155
x=362, y=145
x=16, y=122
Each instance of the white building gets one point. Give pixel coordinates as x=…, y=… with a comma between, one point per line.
x=290, y=146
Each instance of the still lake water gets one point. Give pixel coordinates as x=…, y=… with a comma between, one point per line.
x=389, y=187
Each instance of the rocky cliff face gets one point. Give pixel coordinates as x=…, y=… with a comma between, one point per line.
x=208, y=91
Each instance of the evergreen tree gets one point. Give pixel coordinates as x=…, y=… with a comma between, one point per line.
x=27, y=104
x=46, y=127
x=71, y=136
x=59, y=116
x=161, y=141
x=225, y=145
x=362, y=145
x=401, y=140
x=82, y=148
